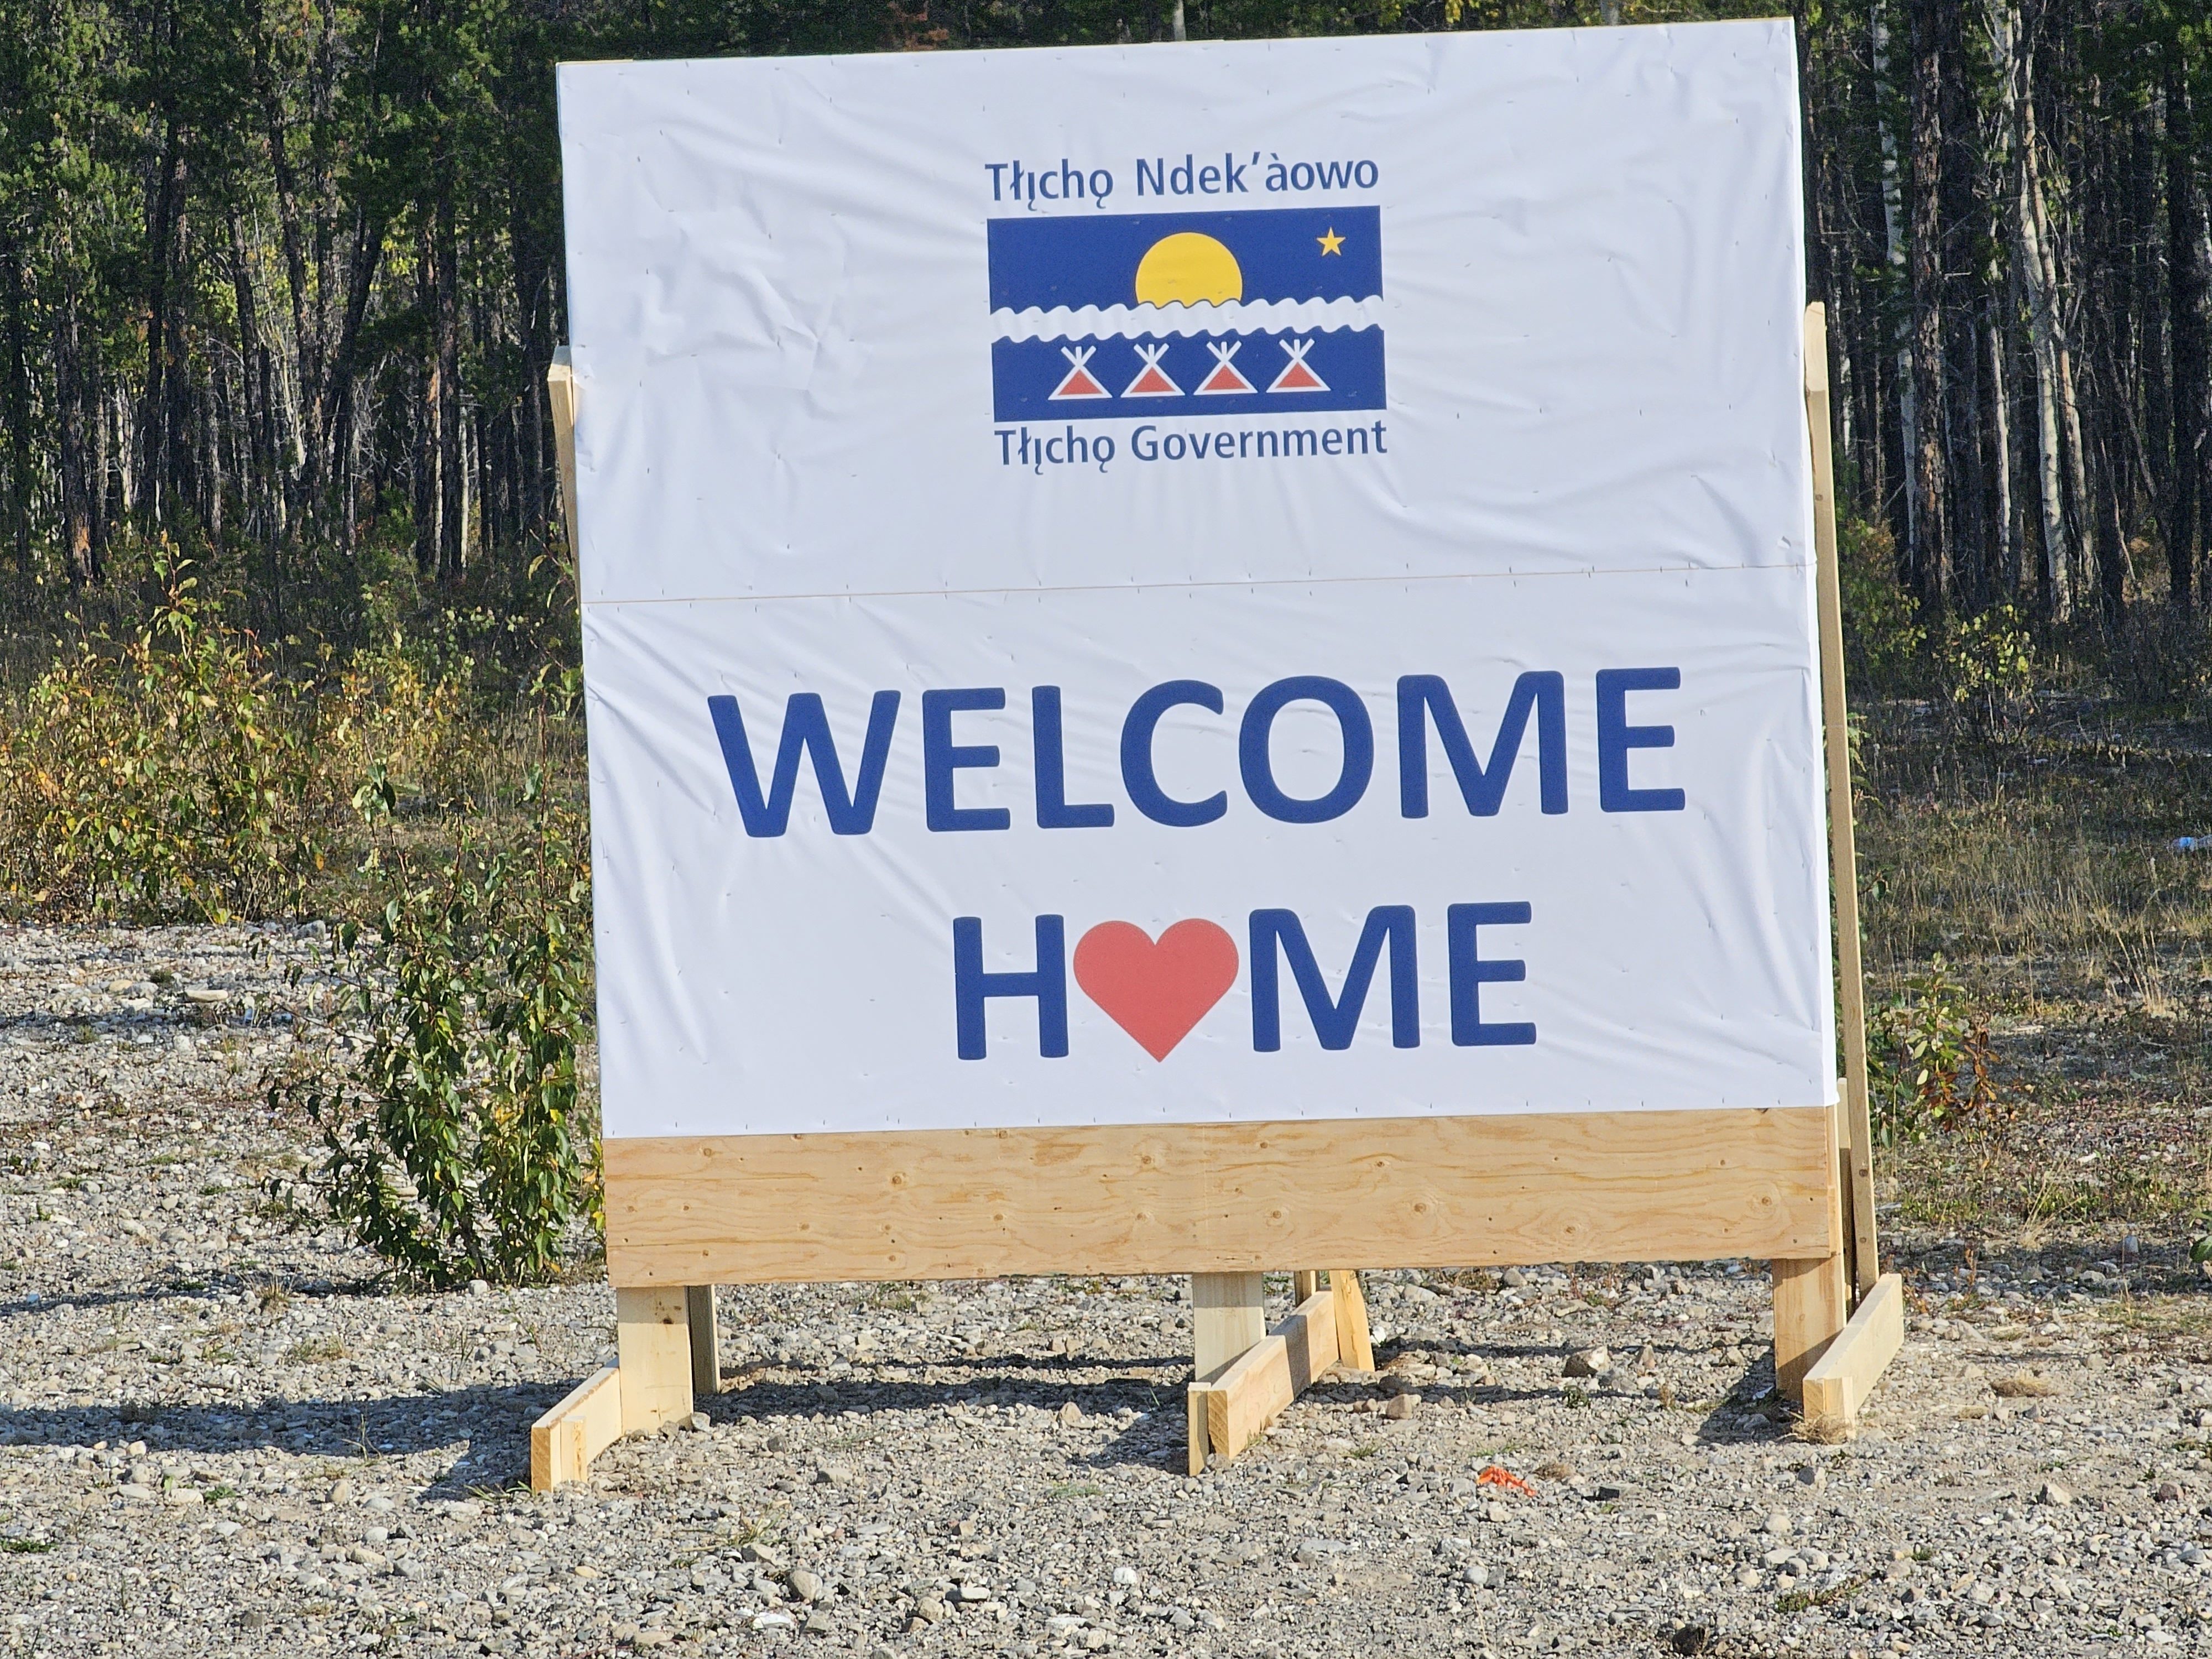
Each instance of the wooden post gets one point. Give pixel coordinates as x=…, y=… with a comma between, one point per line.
x=1812, y=1300
x=706, y=1340
x=1857, y=1136
x=561, y=393
x=653, y=1333
x=1228, y=1315
x=1353, y=1346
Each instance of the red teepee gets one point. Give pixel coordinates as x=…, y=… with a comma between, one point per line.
x=1297, y=376
x=1080, y=382
x=1224, y=376
x=1152, y=380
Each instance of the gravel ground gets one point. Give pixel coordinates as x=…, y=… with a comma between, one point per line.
x=218, y=1434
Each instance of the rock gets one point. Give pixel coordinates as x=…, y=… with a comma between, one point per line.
x=804, y=1585
x=1070, y=1414
x=1126, y=1575
x=930, y=1609
x=478, y=1287
x=1512, y=1279
x=655, y=1637
x=819, y=1623
x=766, y=1555
x=205, y=995
x=1400, y=1406
x=1647, y=1361
x=768, y=1621
x=2168, y=1491
x=2054, y=1494
x=1588, y=1362
x=698, y=1423
x=970, y=1592
x=343, y=1492
x=1778, y=1524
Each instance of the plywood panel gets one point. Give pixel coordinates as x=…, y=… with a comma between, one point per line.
x=1221, y=1198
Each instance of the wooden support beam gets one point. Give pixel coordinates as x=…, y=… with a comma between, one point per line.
x=1837, y=1384
x=1429, y=1192
x=1304, y=1284
x=564, y=1441
x=1229, y=1412
x=1810, y=1304
x=1352, y=1344
x=706, y=1340
x=560, y=394
x=1860, y=1244
x=1228, y=1314
x=653, y=1334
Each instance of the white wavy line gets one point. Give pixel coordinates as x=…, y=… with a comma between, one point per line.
x=1068, y=323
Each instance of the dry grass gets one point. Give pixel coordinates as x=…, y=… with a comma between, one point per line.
x=2023, y=1385
x=2039, y=866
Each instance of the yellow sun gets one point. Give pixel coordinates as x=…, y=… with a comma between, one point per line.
x=1186, y=268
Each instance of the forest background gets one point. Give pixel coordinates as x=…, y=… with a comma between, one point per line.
x=287, y=628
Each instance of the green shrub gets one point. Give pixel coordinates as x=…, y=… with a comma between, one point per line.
x=461, y=1146
x=1988, y=665
x=1930, y=1063
x=1885, y=646
x=172, y=776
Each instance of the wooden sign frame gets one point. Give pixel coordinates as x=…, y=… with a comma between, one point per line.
x=1792, y=1186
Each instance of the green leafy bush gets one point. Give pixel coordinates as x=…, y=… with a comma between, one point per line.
x=461, y=1145
x=1929, y=1062
x=172, y=776
x=1885, y=646
x=1988, y=665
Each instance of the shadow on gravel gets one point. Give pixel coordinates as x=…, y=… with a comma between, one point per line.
x=487, y=1429
x=1160, y=1397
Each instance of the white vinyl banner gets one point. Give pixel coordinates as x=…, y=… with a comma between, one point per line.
x=1176, y=583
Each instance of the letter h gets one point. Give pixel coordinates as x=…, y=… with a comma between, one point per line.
x=1047, y=983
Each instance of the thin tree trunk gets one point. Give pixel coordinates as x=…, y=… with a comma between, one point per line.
x=1930, y=540
x=1997, y=423
x=2184, y=212
x=428, y=495
x=2032, y=277
x=76, y=514
x=19, y=409
x=1892, y=219
x=452, y=474
x=153, y=398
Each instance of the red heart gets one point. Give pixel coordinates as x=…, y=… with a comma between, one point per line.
x=1155, y=992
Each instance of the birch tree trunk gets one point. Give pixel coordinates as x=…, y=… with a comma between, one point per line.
x=2033, y=281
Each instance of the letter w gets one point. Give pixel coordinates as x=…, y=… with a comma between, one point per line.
x=805, y=727
x=1334, y=1021
x=1483, y=787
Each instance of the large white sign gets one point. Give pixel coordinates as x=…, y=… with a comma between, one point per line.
x=1185, y=583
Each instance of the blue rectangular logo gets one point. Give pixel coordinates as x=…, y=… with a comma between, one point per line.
x=1273, y=310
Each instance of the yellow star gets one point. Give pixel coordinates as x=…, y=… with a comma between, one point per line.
x=1331, y=243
